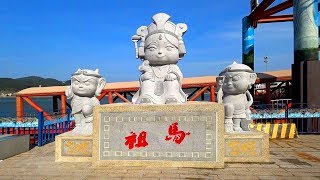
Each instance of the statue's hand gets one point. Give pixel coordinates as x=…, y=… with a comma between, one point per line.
x=87, y=110
x=147, y=76
x=69, y=92
x=170, y=77
x=145, y=67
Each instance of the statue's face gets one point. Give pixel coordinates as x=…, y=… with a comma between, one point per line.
x=84, y=86
x=161, y=49
x=236, y=82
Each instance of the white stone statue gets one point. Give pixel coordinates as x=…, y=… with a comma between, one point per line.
x=160, y=49
x=86, y=86
x=234, y=82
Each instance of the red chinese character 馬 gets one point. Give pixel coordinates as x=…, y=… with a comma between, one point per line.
x=177, y=136
x=132, y=140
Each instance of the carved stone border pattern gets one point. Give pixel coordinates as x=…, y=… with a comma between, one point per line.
x=211, y=137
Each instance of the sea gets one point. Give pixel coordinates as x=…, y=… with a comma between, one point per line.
x=8, y=106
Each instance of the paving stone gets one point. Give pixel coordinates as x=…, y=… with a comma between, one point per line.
x=268, y=177
x=289, y=166
x=178, y=171
x=307, y=174
x=279, y=173
x=222, y=172
x=141, y=171
x=160, y=175
x=65, y=177
x=140, y=178
x=195, y=176
x=256, y=172
x=305, y=170
x=6, y=177
x=286, y=163
x=30, y=177
x=237, y=177
x=100, y=178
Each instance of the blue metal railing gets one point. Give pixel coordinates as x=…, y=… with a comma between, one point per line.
x=47, y=131
x=41, y=130
x=307, y=119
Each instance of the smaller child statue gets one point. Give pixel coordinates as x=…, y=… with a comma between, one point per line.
x=86, y=86
x=160, y=50
x=234, y=82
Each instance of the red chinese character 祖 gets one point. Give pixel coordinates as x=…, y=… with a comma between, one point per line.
x=177, y=136
x=132, y=140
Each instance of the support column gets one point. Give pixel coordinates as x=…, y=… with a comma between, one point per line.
x=63, y=104
x=306, y=67
x=55, y=103
x=247, y=43
x=268, y=93
x=19, y=108
x=212, y=95
x=110, y=98
x=288, y=92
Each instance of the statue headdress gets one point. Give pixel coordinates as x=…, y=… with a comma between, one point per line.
x=161, y=24
x=88, y=72
x=94, y=73
x=236, y=67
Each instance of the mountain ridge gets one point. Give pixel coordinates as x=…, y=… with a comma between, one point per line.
x=12, y=85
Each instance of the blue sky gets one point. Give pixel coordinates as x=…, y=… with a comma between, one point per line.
x=55, y=38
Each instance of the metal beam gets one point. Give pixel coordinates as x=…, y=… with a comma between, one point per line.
x=199, y=93
x=121, y=97
x=258, y=11
x=278, y=8
x=279, y=86
x=280, y=18
x=37, y=107
x=103, y=94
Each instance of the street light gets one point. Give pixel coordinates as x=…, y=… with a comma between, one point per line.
x=266, y=61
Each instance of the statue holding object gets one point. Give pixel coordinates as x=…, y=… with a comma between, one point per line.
x=160, y=49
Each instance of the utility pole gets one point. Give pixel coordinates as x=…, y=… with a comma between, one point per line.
x=266, y=61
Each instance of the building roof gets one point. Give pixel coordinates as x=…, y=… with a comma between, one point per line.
x=282, y=75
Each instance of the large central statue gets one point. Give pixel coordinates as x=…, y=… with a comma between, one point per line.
x=160, y=49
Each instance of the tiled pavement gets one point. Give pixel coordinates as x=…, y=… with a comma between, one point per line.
x=290, y=159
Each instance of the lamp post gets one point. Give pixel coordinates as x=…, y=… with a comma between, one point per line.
x=266, y=61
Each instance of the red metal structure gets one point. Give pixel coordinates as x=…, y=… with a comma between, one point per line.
x=265, y=14
x=197, y=87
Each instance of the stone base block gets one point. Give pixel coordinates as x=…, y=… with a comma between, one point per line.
x=252, y=146
x=73, y=148
x=11, y=145
x=175, y=135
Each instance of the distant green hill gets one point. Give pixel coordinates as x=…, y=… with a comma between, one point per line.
x=9, y=85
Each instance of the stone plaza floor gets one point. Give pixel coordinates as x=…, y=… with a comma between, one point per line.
x=290, y=159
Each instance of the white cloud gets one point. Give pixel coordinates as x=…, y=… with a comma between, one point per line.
x=249, y=38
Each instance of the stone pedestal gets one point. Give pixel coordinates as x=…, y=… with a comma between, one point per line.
x=179, y=135
x=73, y=148
x=250, y=146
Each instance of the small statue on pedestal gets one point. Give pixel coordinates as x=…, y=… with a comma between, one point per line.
x=160, y=50
x=86, y=86
x=234, y=82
